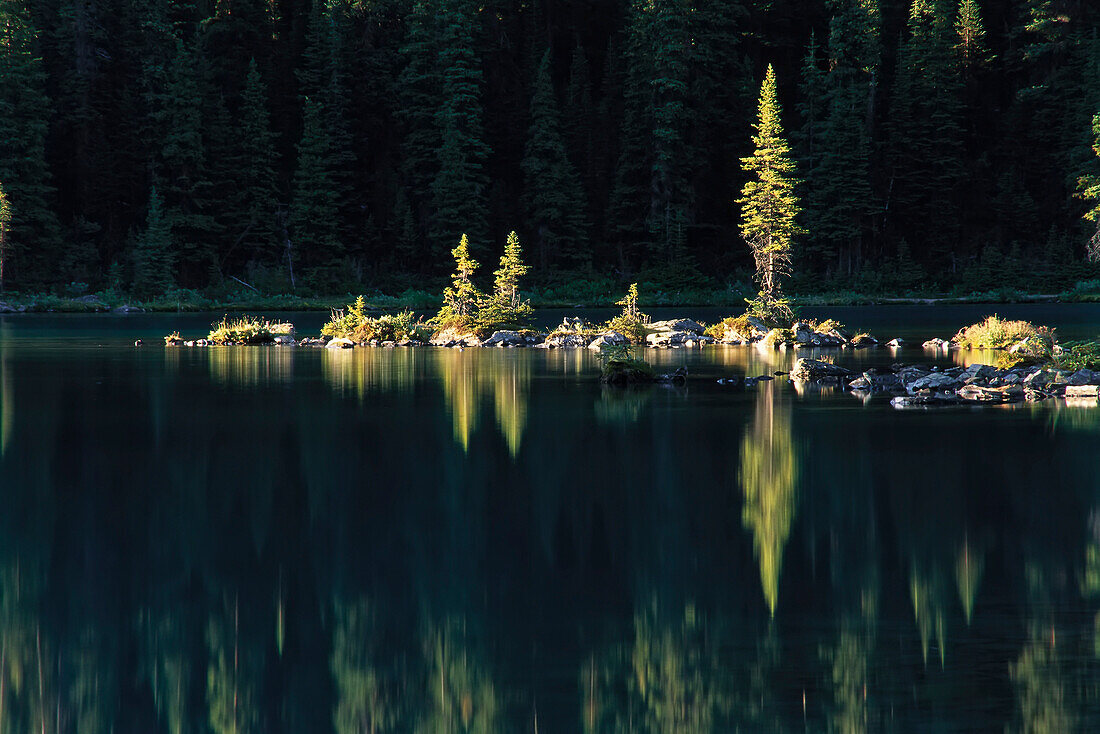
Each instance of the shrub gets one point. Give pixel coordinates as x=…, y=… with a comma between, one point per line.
x=247, y=330
x=1079, y=356
x=739, y=324
x=618, y=367
x=772, y=312
x=997, y=333
x=356, y=325
x=631, y=323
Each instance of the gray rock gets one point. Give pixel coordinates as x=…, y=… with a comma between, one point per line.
x=609, y=339
x=757, y=324
x=860, y=383
x=980, y=371
x=978, y=394
x=454, y=338
x=505, y=339
x=863, y=341
x=1082, y=391
x=812, y=369
x=1039, y=378
x=564, y=341
x=127, y=309
x=934, y=381
x=340, y=343
x=803, y=334
x=1082, y=377
x=895, y=343
x=921, y=401
x=687, y=325
x=675, y=338
x=937, y=343
x=285, y=340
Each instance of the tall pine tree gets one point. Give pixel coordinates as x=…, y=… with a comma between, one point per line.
x=768, y=201
x=314, y=205
x=34, y=240
x=554, y=197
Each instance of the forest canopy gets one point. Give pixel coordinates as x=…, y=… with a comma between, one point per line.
x=322, y=144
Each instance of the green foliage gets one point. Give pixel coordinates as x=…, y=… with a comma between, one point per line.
x=153, y=252
x=461, y=298
x=618, y=367
x=247, y=330
x=554, y=195
x=355, y=324
x=314, y=207
x=631, y=323
x=768, y=201
x=504, y=307
x=772, y=311
x=1079, y=356
x=737, y=324
x=996, y=333
x=5, y=227
x=1089, y=189
x=256, y=230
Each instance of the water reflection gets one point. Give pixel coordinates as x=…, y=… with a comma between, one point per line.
x=335, y=558
x=249, y=366
x=769, y=479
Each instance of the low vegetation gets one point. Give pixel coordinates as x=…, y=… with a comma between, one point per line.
x=618, y=367
x=248, y=330
x=996, y=333
x=355, y=324
x=1078, y=356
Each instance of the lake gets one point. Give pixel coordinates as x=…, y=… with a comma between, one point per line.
x=268, y=539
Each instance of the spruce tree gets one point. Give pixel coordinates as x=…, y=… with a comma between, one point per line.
x=503, y=307
x=153, y=253
x=768, y=201
x=461, y=298
x=1089, y=190
x=554, y=197
x=926, y=138
x=460, y=188
x=971, y=34
x=258, y=195
x=5, y=227
x=313, y=206
x=34, y=239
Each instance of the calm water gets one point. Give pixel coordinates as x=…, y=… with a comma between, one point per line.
x=277, y=540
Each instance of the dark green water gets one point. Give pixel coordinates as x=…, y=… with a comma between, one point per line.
x=278, y=540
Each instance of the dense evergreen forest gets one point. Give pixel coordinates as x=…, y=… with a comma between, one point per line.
x=325, y=144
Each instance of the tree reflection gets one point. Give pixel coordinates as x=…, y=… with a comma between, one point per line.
x=470, y=377
x=461, y=695
x=769, y=478
x=365, y=702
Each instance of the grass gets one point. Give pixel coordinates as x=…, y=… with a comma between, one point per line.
x=248, y=330
x=354, y=323
x=996, y=333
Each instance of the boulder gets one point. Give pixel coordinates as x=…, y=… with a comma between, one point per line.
x=895, y=343
x=1082, y=391
x=819, y=339
x=571, y=323
x=676, y=339
x=978, y=394
x=565, y=341
x=921, y=401
x=127, y=309
x=1039, y=378
x=937, y=343
x=688, y=325
x=454, y=338
x=863, y=340
x=758, y=324
x=679, y=377
x=908, y=375
x=1082, y=377
x=813, y=369
x=340, y=343
x=803, y=334
x=980, y=371
x=505, y=339
x=860, y=383
x=934, y=381
x=285, y=340
x=609, y=339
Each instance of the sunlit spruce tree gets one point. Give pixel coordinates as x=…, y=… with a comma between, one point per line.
x=504, y=307
x=554, y=196
x=5, y=227
x=34, y=238
x=154, y=251
x=1089, y=190
x=768, y=201
x=461, y=298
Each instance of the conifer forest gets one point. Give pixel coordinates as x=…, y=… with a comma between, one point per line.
x=318, y=145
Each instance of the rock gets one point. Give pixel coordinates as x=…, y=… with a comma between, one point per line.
x=813, y=369
x=1082, y=377
x=883, y=381
x=1082, y=391
x=454, y=338
x=895, y=343
x=340, y=343
x=571, y=323
x=1032, y=346
x=934, y=381
x=909, y=375
x=1034, y=395
x=863, y=340
x=775, y=338
x=285, y=340
x=803, y=334
x=980, y=371
x=937, y=343
x=1039, y=378
x=978, y=394
x=127, y=309
x=818, y=339
x=139, y=343
x=678, y=377
x=609, y=339
x=7, y=308
x=921, y=401
x=688, y=325
x=676, y=338
x=758, y=324
x=505, y=339
x=564, y=341
x=173, y=341
x=860, y=383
